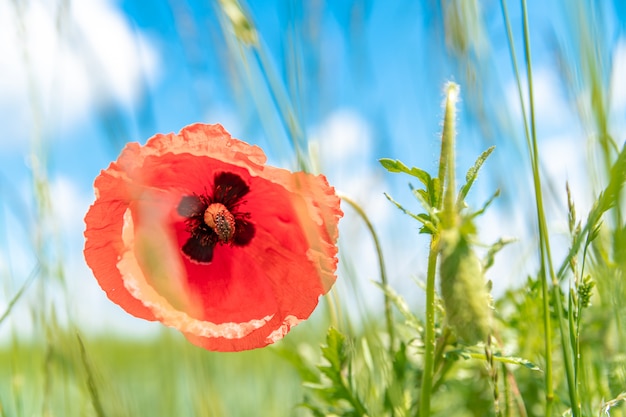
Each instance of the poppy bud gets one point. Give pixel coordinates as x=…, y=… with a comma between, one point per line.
x=463, y=288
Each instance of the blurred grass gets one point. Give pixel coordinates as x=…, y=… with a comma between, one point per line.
x=164, y=376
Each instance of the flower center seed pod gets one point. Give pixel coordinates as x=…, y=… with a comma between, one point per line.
x=463, y=288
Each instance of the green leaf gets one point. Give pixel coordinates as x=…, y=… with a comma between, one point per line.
x=331, y=373
x=472, y=174
x=417, y=217
x=426, y=220
x=605, y=201
x=468, y=353
x=400, y=361
x=517, y=361
x=335, y=350
x=397, y=166
x=616, y=181
x=335, y=354
x=493, y=250
x=435, y=192
x=427, y=197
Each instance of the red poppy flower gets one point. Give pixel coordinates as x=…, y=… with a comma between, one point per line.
x=194, y=230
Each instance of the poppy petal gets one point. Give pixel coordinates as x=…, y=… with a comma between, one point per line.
x=159, y=261
x=103, y=241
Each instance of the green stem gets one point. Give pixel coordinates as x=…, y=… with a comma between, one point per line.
x=286, y=109
x=31, y=277
x=442, y=365
x=381, y=265
x=359, y=408
x=245, y=31
x=446, y=172
x=429, y=342
x=546, y=257
x=509, y=34
x=545, y=297
x=543, y=237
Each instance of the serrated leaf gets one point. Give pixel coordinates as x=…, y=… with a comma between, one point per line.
x=517, y=361
x=400, y=362
x=422, y=195
x=335, y=350
x=332, y=373
x=392, y=165
x=405, y=211
x=468, y=353
x=472, y=174
x=493, y=250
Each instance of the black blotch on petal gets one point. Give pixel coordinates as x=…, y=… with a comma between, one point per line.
x=228, y=189
x=191, y=205
x=199, y=249
x=244, y=232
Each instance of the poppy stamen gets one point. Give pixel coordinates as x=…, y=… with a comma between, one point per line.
x=222, y=221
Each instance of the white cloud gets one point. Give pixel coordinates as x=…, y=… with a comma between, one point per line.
x=344, y=135
x=566, y=159
x=344, y=142
x=342, y=146
x=67, y=61
x=69, y=204
x=551, y=107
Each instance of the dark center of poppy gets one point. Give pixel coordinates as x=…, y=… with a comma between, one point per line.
x=218, y=218
x=215, y=217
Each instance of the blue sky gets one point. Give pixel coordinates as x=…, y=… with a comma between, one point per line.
x=369, y=77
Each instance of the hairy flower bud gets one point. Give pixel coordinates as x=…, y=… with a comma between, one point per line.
x=463, y=288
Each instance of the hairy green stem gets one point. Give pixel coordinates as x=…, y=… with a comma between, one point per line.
x=446, y=172
x=429, y=338
x=381, y=265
